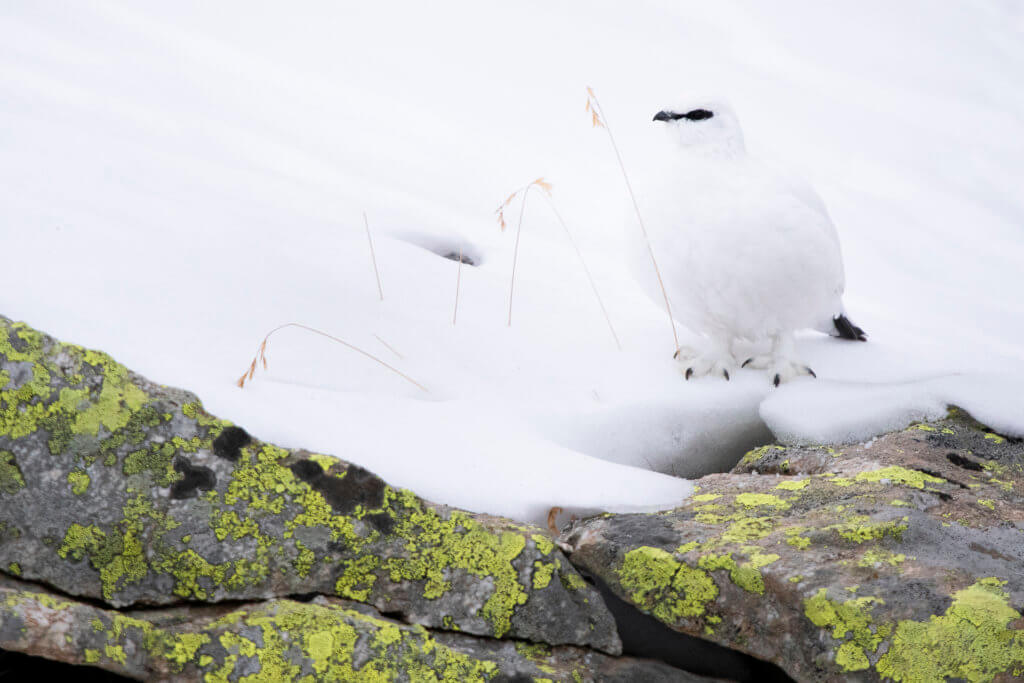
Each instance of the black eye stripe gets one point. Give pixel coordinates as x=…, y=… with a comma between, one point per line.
x=693, y=115
x=698, y=114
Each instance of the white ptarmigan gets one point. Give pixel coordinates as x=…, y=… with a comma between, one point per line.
x=747, y=253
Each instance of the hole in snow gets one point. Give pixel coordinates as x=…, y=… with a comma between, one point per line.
x=456, y=256
x=445, y=246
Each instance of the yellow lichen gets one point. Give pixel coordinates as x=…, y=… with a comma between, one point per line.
x=753, y=500
x=900, y=475
x=706, y=497
x=851, y=617
x=972, y=640
x=756, y=454
x=879, y=556
x=670, y=590
x=79, y=481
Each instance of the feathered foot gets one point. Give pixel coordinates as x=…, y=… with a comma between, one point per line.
x=696, y=363
x=781, y=365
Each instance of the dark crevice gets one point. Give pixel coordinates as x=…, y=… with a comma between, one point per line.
x=646, y=637
x=18, y=666
x=9, y=582
x=400, y=616
x=219, y=605
x=964, y=462
x=933, y=473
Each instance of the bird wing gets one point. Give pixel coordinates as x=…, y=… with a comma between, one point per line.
x=817, y=219
x=806, y=193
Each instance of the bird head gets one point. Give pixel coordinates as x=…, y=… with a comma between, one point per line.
x=702, y=125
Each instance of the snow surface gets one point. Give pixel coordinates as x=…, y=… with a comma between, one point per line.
x=178, y=178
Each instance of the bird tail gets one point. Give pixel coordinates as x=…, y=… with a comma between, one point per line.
x=845, y=329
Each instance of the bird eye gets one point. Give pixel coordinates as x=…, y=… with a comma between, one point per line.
x=698, y=114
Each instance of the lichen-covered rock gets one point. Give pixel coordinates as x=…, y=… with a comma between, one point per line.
x=284, y=640
x=117, y=489
x=900, y=559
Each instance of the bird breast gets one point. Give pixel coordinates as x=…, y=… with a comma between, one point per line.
x=740, y=254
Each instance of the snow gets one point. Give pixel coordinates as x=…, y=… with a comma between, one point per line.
x=176, y=180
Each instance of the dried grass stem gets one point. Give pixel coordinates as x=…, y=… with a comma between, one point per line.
x=373, y=256
x=599, y=119
x=261, y=355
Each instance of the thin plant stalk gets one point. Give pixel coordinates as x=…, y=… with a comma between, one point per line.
x=586, y=270
x=515, y=251
x=546, y=187
x=261, y=355
x=458, y=281
x=600, y=120
x=389, y=347
x=373, y=256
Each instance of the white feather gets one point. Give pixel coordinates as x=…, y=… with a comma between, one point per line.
x=746, y=251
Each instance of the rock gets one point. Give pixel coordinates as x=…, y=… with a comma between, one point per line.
x=282, y=640
x=123, y=491
x=900, y=559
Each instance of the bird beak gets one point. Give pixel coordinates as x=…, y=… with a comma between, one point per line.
x=662, y=116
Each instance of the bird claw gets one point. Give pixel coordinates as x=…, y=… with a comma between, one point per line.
x=698, y=364
x=781, y=370
x=761, y=362
x=787, y=370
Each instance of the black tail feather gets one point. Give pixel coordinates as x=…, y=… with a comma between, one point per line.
x=847, y=330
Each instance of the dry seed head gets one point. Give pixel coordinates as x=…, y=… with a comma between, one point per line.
x=593, y=107
x=248, y=374
x=261, y=355
x=501, y=210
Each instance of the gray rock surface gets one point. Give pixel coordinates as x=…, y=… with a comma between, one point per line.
x=901, y=559
x=284, y=640
x=123, y=491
